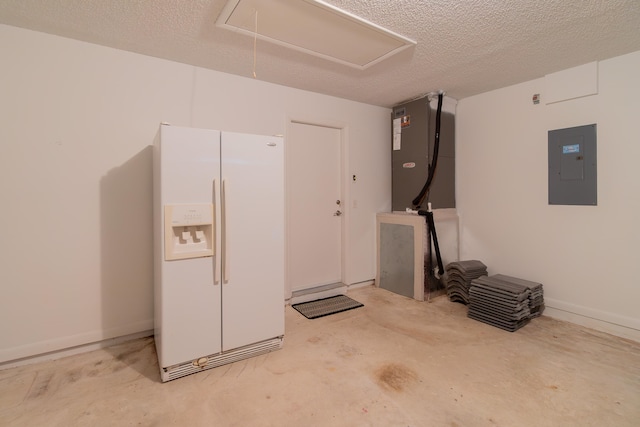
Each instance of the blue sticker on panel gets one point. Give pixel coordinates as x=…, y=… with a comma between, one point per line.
x=573, y=148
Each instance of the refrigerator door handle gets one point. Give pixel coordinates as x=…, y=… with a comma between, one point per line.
x=216, y=197
x=225, y=242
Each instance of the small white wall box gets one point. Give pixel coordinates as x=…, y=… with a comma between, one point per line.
x=573, y=166
x=188, y=231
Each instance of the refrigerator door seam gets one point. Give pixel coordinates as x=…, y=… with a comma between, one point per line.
x=225, y=241
x=216, y=196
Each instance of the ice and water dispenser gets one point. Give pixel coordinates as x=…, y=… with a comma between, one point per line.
x=189, y=231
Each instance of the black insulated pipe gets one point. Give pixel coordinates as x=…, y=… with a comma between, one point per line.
x=431, y=226
x=432, y=167
x=432, y=229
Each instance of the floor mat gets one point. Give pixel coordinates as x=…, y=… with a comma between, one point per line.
x=326, y=306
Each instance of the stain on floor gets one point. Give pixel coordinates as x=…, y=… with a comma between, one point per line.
x=395, y=376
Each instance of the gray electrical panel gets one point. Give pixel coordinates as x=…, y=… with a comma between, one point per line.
x=573, y=166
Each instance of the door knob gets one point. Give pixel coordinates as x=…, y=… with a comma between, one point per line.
x=337, y=213
x=338, y=202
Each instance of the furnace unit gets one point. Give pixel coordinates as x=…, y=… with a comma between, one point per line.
x=412, y=150
x=407, y=255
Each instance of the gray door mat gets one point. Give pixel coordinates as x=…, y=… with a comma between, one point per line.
x=326, y=306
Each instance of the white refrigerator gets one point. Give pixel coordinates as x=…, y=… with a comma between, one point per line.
x=218, y=248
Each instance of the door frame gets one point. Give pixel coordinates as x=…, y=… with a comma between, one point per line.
x=344, y=193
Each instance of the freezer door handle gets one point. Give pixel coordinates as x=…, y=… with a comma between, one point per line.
x=225, y=242
x=217, y=265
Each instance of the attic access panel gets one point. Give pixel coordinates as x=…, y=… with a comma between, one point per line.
x=573, y=166
x=315, y=28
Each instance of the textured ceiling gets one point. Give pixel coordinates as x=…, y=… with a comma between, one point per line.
x=464, y=47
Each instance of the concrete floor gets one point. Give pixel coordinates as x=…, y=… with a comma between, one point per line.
x=393, y=362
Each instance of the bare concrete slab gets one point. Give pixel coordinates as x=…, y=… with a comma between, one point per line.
x=394, y=362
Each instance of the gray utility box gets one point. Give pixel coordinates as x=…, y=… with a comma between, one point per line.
x=404, y=253
x=573, y=166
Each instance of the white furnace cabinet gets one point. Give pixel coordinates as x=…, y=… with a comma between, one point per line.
x=218, y=249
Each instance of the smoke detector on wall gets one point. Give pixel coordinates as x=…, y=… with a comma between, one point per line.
x=314, y=27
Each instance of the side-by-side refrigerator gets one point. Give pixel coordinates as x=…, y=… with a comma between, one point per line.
x=219, y=248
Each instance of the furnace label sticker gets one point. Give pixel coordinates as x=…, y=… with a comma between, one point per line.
x=397, y=134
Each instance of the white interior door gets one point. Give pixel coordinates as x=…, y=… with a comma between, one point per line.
x=314, y=206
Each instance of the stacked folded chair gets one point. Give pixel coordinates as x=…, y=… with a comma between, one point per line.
x=458, y=277
x=505, y=302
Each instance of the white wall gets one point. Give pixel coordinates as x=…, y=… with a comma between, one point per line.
x=75, y=178
x=586, y=257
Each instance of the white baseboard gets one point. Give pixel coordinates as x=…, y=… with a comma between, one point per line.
x=325, y=291
x=361, y=284
x=84, y=348
x=64, y=343
x=621, y=326
x=318, y=294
